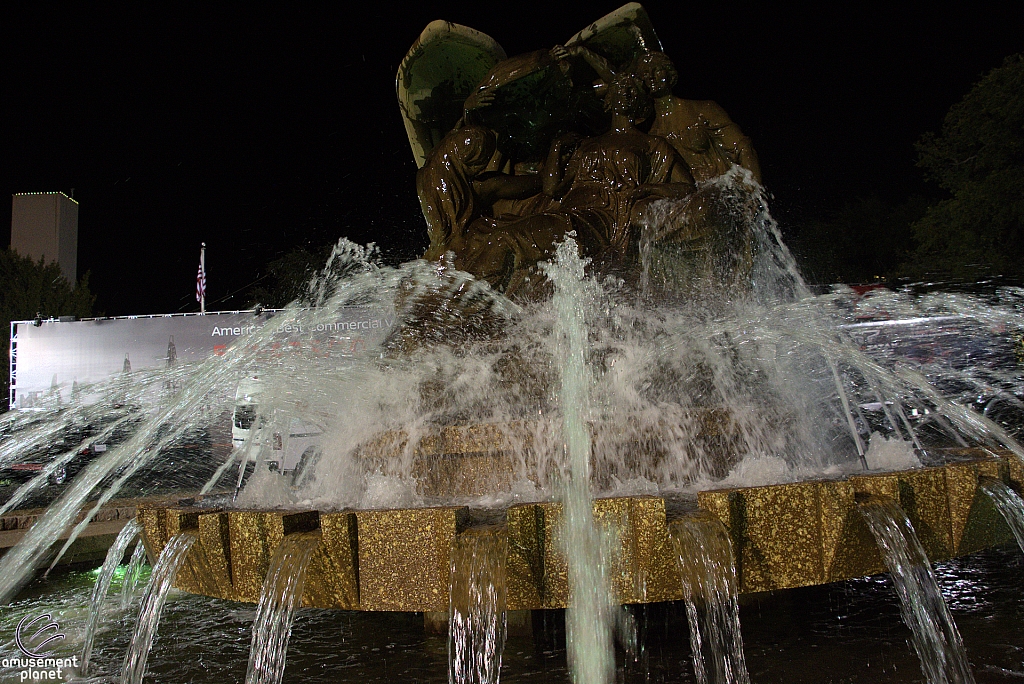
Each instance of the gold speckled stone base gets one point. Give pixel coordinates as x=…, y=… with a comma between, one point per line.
x=403, y=557
x=783, y=536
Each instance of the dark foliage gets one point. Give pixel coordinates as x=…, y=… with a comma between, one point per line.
x=978, y=158
x=287, y=278
x=864, y=240
x=31, y=289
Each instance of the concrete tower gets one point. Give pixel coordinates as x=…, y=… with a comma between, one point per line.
x=45, y=225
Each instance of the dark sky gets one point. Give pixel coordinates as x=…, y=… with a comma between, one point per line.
x=263, y=129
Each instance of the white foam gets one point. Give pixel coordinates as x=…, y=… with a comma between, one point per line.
x=886, y=453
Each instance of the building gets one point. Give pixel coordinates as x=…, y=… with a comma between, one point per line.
x=45, y=225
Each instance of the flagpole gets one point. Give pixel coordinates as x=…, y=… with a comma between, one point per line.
x=202, y=269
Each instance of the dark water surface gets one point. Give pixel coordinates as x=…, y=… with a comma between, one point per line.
x=845, y=632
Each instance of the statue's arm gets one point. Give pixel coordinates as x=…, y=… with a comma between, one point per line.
x=676, y=190
x=670, y=178
x=498, y=186
x=557, y=178
x=729, y=136
x=595, y=61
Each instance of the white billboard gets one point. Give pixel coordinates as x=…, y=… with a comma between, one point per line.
x=55, y=355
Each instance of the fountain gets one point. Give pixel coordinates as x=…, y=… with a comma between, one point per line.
x=605, y=363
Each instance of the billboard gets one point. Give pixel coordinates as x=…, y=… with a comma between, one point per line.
x=52, y=354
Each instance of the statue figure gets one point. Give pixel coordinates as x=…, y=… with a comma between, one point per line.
x=458, y=185
x=602, y=185
x=608, y=179
x=553, y=141
x=699, y=130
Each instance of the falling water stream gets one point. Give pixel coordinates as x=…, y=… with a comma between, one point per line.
x=476, y=608
x=281, y=593
x=160, y=582
x=935, y=636
x=616, y=391
x=115, y=554
x=132, y=574
x=708, y=573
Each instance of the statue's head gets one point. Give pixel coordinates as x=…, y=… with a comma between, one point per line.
x=656, y=71
x=627, y=97
x=470, y=147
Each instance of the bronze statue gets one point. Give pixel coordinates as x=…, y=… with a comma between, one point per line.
x=608, y=179
x=459, y=185
x=699, y=130
x=557, y=140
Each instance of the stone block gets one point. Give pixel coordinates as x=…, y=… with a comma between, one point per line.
x=642, y=567
x=961, y=491
x=645, y=569
x=923, y=496
x=160, y=524
x=332, y=580
x=211, y=555
x=1014, y=470
x=524, y=567
x=404, y=557
x=463, y=474
x=254, y=537
x=556, y=569
x=976, y=518
x=849, y=549
x=152, y=532
x=776, y=533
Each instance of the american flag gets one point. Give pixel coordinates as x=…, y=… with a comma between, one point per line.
x=201, y=276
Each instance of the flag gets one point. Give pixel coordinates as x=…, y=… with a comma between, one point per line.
x=201, y=283
x=201, y=280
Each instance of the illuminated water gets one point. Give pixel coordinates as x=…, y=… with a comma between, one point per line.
x=935, y=636
x=132, y=574
x=115, y=554
x=588, y=617
x=476, y=608
x=796, y=385
x=1009, y=505
x=846, y=633
x=160, y=583
x=279, y=597
x=708, y=573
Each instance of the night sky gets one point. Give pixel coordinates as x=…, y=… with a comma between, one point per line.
x=261, y=130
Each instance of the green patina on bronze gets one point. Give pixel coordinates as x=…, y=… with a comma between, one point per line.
x=585, y=138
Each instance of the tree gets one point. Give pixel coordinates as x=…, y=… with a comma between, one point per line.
x=865, y=239
x=33, y=289
x=979, y=159
x=288, y=277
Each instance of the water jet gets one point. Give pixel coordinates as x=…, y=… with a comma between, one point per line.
x=605, y=345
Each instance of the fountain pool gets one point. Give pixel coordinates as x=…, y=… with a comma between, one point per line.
x=681, y=378
x=849, y=631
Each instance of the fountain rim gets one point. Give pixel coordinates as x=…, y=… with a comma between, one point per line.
x=784, y=536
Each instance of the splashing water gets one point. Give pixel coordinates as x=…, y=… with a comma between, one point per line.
x=708, y=572
x=934, y=635
x=476, y=609
x=160, y=582
x=588, y=618
x=279, y=597
x=666, y=394
x=115, y=554
x=748, y=387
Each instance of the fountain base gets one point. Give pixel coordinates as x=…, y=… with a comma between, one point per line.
x=784, y=536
